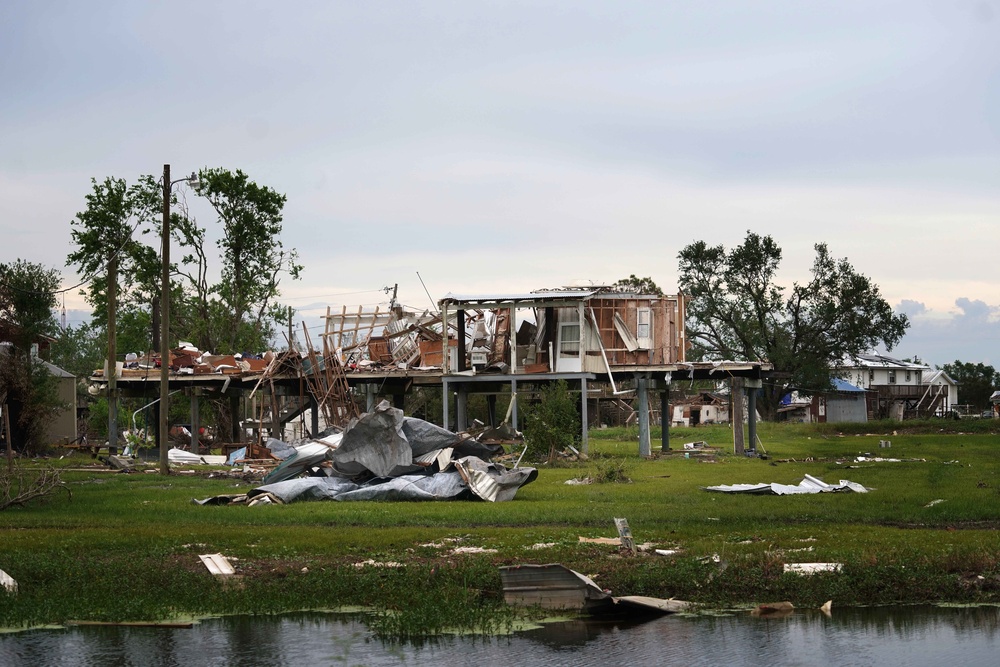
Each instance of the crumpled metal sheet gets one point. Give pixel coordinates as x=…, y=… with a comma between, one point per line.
x=375, y=442
x=425, y=437
x=305, y=457
x=491, y=481
x=809, y=484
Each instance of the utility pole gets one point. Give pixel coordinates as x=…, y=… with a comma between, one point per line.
x=112, y=355
x=165, y=325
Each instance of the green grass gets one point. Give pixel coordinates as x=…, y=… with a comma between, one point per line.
x=126, y=546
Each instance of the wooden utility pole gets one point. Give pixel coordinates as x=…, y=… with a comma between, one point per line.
x=165, y=325
x=112, y=354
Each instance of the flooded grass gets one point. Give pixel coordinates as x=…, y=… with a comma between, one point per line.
x=126, y=547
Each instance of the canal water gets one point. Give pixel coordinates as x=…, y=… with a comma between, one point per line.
x=912, y=636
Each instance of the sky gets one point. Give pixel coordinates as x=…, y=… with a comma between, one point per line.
x=511, y=146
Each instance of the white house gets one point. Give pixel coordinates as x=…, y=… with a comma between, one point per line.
x=896, y=388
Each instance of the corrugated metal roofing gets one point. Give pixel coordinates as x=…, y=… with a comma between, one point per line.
x=521, y=296
x=881, y=361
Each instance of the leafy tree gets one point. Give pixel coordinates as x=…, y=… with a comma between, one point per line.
x=638, y=285
x=110, y=228
x=27, y=297
x=736, y=310
x=79, y=350
x=238, y=312
x=976, y=382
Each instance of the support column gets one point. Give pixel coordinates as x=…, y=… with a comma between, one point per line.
x=491, y=409
x=195, y=416
x=399, y=400
x=461, y=407
x=444, y=404
x=370, y=396
x=235, y=431
x=642, y=394
x=460, y=325
x=752, y=387
x=584, y=421
x=665, y=418
x=513, y=398
x=736, y=392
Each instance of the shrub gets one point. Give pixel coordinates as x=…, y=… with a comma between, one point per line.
x=552, y=424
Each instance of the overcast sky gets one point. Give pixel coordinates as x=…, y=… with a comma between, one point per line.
x=510, y=146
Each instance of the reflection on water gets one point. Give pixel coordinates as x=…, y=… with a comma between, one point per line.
x=910, y=636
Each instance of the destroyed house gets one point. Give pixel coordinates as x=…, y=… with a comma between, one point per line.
x=596, y=330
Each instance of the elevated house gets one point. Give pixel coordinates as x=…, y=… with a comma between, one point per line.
x=896, y=389
x=581, y=336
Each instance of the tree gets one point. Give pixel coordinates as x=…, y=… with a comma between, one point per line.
x=108, y=247
x=976, y=382
x=239, y=311
x=236, y=313
x=637, y=285
x=27, y=297
x=735, y=310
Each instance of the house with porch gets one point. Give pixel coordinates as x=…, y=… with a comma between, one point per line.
x=896, y=388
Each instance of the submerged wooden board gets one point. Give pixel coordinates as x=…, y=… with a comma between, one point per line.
x=555, y=586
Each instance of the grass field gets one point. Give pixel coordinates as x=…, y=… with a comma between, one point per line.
x=125, y=547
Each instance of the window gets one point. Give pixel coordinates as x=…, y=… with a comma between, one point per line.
x=570, y=340
x=871, y=376
x=643, y=328
x=907, y=376
x=892, y=377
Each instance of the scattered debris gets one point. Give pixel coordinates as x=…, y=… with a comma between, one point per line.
x=555, y=586
x=541, y=545
x=700, y=444
x=885, y=444
x=218, y=565
x=827, y=607
x=934, y=502
x=625, y=534
x=667, y=552
x=374, y=563
x=579, y=481
x=613, y=541
x=473, y=550
x=7, y=583
x=809, y=484
x=812, y=568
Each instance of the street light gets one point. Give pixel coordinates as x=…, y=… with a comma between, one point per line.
x=192, y=180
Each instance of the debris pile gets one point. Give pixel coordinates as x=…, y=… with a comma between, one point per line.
x=383, y=455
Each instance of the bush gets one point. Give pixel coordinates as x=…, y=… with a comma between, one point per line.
x=552, y=424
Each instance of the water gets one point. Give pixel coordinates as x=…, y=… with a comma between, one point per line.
x=910, y=636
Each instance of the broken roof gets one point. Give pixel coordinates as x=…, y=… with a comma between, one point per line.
x=496, y=297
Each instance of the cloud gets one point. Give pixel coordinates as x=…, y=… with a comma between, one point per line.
x=969, y=333
x=911, y=308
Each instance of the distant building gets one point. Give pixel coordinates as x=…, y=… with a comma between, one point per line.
x=898, y=389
